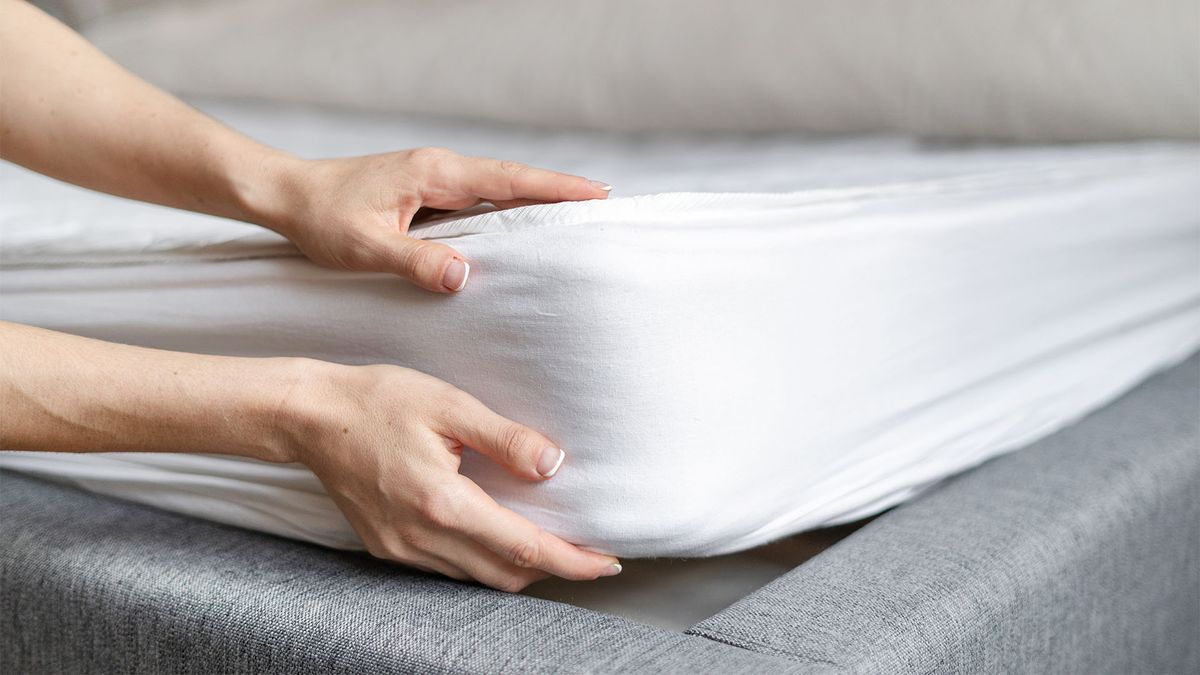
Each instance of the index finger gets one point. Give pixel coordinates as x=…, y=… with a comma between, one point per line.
x=503, y=180
x=524, y=544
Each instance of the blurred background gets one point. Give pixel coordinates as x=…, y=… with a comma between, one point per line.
x=1067, y=70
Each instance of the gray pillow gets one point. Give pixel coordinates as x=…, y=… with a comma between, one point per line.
x=1007, y=69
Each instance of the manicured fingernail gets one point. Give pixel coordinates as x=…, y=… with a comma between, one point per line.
x=548, y=463
x=599, y=185
x=612, y=570
x=455, y=276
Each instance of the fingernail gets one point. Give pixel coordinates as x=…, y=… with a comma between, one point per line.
x=455, y=276
x=548, y=463
x=599, y=185
x=612, y=570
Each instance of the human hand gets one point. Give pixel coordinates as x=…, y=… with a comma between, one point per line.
x=354, y=213
x=387, y=442
x=113, y=132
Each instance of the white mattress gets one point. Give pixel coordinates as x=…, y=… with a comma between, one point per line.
x=781, y=333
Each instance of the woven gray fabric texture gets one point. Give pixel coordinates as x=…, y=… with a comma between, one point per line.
x=1078, y=554
x=95, y=585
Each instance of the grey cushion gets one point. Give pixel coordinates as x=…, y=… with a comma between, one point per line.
x=1077, y=554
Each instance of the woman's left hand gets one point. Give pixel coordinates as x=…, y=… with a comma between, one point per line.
x=354, y=213
x=71, y=113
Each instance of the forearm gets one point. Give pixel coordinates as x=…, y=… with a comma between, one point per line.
x=386, y=442
x=66, y=393
x=68, y=111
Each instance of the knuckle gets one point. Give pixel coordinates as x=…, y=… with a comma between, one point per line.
x=455, y=574
x=455, y=407
x=453, y=398
x=428, y=503
x=526, y=553
x=443, y=518
x=356, y=250
x=374, y=381
x=390, y=550
x=420, y=257
x=408, y=203
x=510, y=584
x=431, y=156
x=510, y=167
x=359, y=257
x=413, y=540
x=420, y=567
x=440, y=509
x=378, y=550
x=512, y=439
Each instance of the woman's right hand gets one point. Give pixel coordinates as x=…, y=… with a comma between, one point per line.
x=387, y=441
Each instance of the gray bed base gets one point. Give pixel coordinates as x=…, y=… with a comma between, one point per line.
x=1079, y=554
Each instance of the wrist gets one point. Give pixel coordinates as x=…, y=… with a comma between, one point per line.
x=299, y=419
x=265, y=188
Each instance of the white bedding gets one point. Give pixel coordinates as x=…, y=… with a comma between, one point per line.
x=780, y=334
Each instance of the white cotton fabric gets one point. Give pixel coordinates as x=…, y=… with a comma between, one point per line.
x=1034, y=70
x=778, y=334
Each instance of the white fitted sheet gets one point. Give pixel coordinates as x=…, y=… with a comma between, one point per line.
x=780, y=334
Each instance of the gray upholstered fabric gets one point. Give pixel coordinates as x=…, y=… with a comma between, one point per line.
x=1078, y=554
x=95, y=585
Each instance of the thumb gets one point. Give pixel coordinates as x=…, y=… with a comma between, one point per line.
x=428, y=264
x=523, y=451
